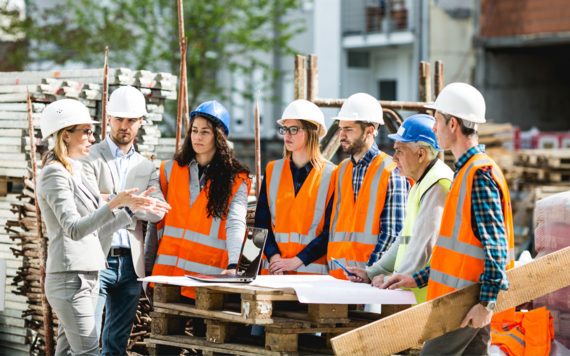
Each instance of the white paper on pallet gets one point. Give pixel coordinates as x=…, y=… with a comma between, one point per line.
x=311, y=289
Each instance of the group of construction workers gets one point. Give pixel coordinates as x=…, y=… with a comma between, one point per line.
x=406, y=221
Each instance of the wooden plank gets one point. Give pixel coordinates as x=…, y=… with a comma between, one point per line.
x=225, y=315
x=429, y=320
x=304, y=316
x=200, y=343
x=249, y=289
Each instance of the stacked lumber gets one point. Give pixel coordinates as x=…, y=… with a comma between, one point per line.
x=494, y=137
x=86, y=86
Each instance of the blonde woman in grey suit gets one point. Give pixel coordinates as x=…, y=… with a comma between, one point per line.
x=76, y=217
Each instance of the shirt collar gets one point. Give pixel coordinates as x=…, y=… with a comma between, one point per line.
x=77, y=166
x=307, y=168
x=467, y=156
x=116, y=151
x=368, y=156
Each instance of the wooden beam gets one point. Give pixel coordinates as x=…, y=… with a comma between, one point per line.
x=434, y=318
x=257, y=148
x=438, y=80
x=181, y=90
x=425, y=82
x=299, y=78
x=394, y=105
x=312, y=78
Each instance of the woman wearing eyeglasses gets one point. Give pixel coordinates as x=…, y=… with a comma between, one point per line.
x=76, y=218
x=295, y=201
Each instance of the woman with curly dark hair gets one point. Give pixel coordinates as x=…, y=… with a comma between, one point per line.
x=207, y=189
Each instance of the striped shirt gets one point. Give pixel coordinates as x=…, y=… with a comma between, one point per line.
x=489, y=228
x=394, y=212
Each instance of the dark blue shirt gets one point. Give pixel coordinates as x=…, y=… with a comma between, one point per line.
x=314, y=250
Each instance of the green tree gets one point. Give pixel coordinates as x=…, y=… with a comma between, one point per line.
x=143, y=34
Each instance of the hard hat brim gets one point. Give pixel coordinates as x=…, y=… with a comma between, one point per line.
x=396, y=137
x=81, y=123
x=322, y=129
x=342, y=118
x=126, y=115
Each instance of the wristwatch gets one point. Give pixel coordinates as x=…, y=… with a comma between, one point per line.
x=490, y=306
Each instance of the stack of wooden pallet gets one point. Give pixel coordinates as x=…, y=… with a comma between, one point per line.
x=86, y=86
x=291, y=328
x=494, y=137
x=541, y=166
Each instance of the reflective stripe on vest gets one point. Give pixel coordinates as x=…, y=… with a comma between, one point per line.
x=439, y=173
x=356, y=224
x=292, y=231
x=458, y=257
x=190, y=242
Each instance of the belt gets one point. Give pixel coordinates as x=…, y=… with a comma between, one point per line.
x=119, y=251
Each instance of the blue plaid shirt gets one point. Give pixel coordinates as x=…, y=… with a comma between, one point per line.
x=394, y=212
x=314, y=250
x=489, y=228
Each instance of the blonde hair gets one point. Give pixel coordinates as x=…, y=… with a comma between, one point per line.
x=311, y=145
x=59, y=152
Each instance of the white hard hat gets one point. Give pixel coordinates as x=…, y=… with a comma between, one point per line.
x=361, y=107
x=127, y=102
x=462, y=101
x=63, y=113
x=305, y=110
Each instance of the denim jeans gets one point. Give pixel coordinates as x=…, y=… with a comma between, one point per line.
x=119, y=292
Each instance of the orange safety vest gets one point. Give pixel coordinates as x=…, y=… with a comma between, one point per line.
x=356, y=225
x=189, y=241
x=298, y=220
x=458, y=257
x=531, y=334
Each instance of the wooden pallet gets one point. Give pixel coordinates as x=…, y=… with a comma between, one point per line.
x=555, y=159
x=230, y=312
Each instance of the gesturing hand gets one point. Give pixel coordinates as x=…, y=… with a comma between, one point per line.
x=284, y=264
x=360, y=275
x=400, y=281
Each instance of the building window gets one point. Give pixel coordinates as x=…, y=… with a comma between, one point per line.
x=387, y=90
x=358, y=59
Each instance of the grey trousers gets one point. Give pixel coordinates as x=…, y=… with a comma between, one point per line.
x=465, y=341
x=73, y=298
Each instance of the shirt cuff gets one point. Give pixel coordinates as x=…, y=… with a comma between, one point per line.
x=489, y=293
x=232, y=266
x=131, y=214
x=422, y=277
x=303, y=257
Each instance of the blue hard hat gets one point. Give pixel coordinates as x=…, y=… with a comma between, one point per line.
x=417, y=128
x=215, y=112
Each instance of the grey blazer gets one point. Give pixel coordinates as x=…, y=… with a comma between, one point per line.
x=101, y=171
x=75, y=219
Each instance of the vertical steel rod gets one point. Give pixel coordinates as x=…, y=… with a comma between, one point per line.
x=46, y=308
x=257, y=148
x=180, y=94
x=105, y=95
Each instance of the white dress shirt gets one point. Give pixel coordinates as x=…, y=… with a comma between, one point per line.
x=121, y=237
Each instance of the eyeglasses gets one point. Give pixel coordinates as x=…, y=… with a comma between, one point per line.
x=293, y=130
x=87, y=132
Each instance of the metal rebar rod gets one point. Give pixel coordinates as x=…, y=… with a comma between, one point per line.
x=394, y=105
x=105, y=95
x=180, y=95
x=46, y=308
x=257, y=148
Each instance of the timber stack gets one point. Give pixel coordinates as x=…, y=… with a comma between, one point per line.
x=231, y=313
x=21, y=324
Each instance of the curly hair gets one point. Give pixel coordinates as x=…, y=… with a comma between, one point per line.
x=221, y=172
